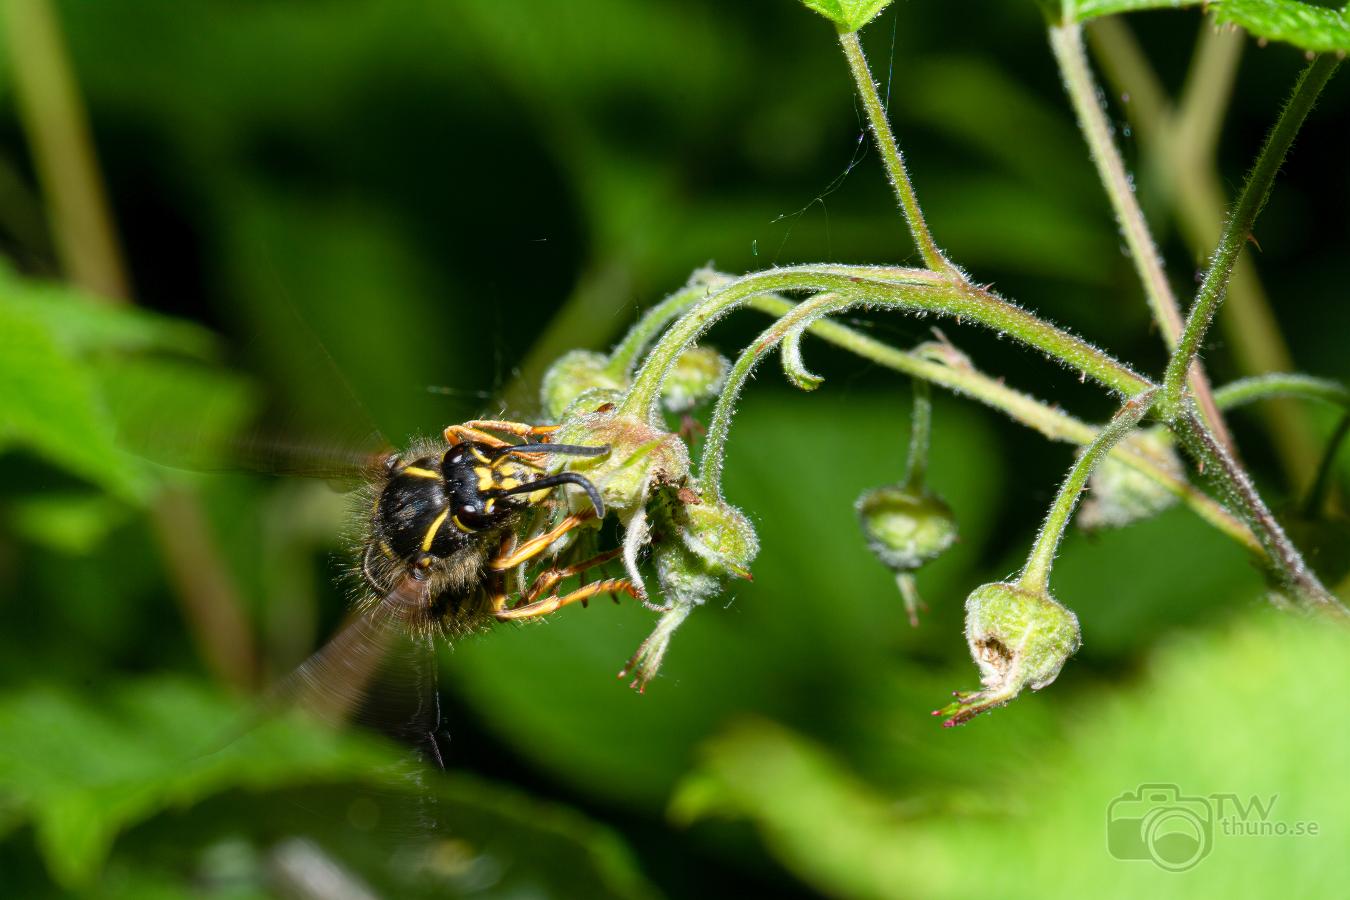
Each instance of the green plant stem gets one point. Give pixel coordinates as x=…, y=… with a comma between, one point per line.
x=1035, y=575
x=1085, y=95
x=918, y=294
x=624, y=357
x=1314, y=502
x=891, y=157
x=1239, y=226
x=1232, y=481
x=57, y=129
x=63, y=151
x=920, y=431
x=1281, y=384
x=944, y=366
x=1179, y=146
x=719, y=427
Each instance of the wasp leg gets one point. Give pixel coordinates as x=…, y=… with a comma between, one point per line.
x=550, y=577
x=519, y=429
x=534, y=546
x=554, y=603
x=458, y=434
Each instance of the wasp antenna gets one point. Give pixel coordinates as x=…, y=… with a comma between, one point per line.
x=562, y=478
x=561, y=449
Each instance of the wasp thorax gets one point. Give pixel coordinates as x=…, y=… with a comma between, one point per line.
x=905, y=527
x=640, y=457
x=697, y=376
x=430, y=506
x=578, y=373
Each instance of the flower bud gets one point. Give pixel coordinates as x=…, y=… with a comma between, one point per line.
x=1018, y=638
x=640, y=457
x=573, y=374
x=905, y=528
x=701, y=546
x=698, y=375
x=1119, y=494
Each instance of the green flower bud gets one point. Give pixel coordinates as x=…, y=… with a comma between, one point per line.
x=640, y=457
x=1018, y=638
x=1119, y=494
x=905, y=528
x=698, y=375
x=573, y=374
x=701, y=547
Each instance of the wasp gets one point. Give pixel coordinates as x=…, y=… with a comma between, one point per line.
x=444, y=528
x=444, y=525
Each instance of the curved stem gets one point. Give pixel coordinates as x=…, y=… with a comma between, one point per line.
x=714, y=445
x=1281, y=384
x=1067, y=43
x=921, y=428
x=890, y=155
x=946, y=367
x=625, y=355
x=1035, y=576
x=1239, y=227
x=918, y=294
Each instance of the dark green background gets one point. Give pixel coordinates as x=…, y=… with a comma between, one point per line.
x=381, y=208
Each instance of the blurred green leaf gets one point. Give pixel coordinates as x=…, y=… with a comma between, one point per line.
x=49, y=401
x=1304, y=25
x=82, y=325
x=849, y=15
x=84, y=769
x=1218, y=714
x=70, y=523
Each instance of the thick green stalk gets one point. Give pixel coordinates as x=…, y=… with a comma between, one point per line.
x=1035, y=576
x=917, y=295
x=891, y=157
x=1067, y=44
x=1239, y=228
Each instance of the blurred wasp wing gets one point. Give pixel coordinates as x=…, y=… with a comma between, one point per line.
x=378, y=671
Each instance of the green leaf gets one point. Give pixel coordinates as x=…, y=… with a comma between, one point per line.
x=84, y=769
x=1228, y=713
x=81, y=324
x=849, y=15
x=49, y=404
x=1301, y=24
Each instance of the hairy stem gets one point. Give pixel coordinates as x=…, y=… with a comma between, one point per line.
x=1281, y=384
x=921, y=428
x=1179, y=145
x=625, y=355
x=912, y=290
x=890, y=155
x=1239, y=226
x=1233, y=482
x=1035, y=576
x=1067, y=44
x=946, y=367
